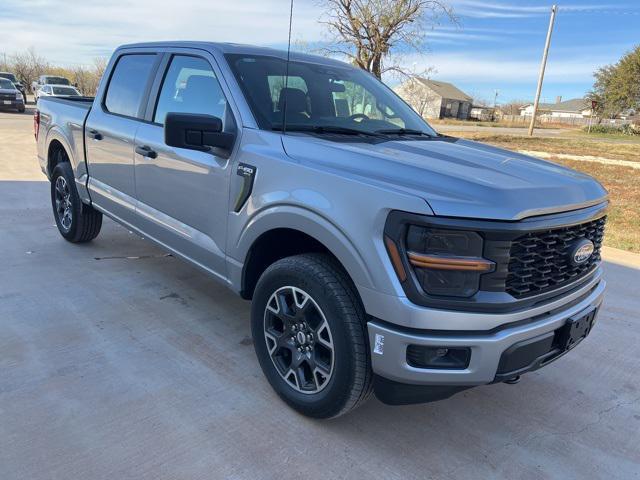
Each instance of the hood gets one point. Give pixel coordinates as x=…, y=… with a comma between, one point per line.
x=456, y=177
x=8, y=90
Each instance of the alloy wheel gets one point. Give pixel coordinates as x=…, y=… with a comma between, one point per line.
x=299, y=340
x=63, y=203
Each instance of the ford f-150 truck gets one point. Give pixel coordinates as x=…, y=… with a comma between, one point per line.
x=379, y=255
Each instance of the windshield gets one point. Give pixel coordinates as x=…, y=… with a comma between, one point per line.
x=65, y=91
x=57, y=81
x=322, y=98
x=4, y=83
x=9, y=76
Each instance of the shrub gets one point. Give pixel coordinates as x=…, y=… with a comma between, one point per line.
x=613, y=129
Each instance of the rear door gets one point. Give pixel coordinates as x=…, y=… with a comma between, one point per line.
x=183, y=195
x=111, y=129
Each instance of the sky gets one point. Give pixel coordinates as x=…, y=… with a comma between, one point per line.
x=495, y=45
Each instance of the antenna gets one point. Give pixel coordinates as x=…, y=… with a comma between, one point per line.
x=286, y=77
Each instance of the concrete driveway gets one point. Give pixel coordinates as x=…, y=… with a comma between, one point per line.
x=119, y=362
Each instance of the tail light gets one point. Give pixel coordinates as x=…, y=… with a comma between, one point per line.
x=36, y=123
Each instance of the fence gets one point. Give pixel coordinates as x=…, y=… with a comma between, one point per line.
x=577, y=121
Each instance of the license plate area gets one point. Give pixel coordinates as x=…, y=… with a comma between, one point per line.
x=7, y=102
x=576, y=329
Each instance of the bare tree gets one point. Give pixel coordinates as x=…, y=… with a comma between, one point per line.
x=28, y=65
x=4, y=62
x=369, y=32
x=88, y=79
x=513, y=107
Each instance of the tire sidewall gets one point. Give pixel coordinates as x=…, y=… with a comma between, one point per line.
x=335, y=393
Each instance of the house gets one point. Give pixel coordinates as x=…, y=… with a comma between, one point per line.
x=435, y=99
x=574, y=108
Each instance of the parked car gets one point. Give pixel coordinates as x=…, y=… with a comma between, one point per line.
x=378, y=255
x=47, y=80
x=12, y=78
x=58, y=91
x=10, y=96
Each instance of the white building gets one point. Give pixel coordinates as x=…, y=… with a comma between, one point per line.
x=574, y=108
x=435, y=99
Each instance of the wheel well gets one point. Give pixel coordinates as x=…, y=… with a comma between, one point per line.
x=55, y=147
x=270, y=247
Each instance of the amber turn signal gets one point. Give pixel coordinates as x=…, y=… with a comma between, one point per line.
x=435, y=262
x=396, y=261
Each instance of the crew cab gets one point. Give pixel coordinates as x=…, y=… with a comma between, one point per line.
x=378, y=255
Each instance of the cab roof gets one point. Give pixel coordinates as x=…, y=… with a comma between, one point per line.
x=238, y=48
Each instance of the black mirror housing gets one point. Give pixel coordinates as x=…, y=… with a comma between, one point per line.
x=196, y=132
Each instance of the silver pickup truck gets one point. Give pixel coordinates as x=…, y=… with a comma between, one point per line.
x=379, y=255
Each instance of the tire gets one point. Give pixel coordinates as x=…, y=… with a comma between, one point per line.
x=21, y=109
x=311, y=296
x=77, y=222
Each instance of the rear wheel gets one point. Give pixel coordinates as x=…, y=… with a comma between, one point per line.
x=309, y=332
x=76, y=221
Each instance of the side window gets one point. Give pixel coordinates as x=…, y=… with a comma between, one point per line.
x=190, y=86
x=128, y=82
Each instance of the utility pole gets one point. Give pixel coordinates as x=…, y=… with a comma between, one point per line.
x=554, y=8
x=495, y=104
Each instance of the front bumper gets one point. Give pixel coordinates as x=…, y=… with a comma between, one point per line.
x=11, y=104
x=389, y=348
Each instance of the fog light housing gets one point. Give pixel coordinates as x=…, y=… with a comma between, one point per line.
x=438, y=357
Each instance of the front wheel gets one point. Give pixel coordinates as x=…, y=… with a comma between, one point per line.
x=76, y=221
x=309, y=333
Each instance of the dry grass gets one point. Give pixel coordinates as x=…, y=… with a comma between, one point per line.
x=627, y=150
x=623, y=183
x=501, y=124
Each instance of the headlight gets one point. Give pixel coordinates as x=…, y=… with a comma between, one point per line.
x=435, y=259
x=446, y=262
x=18, y=96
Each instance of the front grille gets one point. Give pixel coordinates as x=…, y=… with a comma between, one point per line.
x=7, y=96
x=540, y=261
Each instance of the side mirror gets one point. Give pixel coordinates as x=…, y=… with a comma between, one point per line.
x=196, y=132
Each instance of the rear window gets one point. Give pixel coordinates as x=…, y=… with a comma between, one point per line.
x=57, y=81
x=8, y=76
x=128, y=83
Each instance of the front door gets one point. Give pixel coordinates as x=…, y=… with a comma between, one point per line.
x=183, y=195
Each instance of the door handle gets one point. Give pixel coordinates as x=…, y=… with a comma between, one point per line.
x=146, y=151
x=94, y=134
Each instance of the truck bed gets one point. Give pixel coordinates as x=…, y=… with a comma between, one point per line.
x=67, y=116
x=84, y=102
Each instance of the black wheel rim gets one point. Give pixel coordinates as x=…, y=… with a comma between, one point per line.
x=63, y=203
x=299, y=340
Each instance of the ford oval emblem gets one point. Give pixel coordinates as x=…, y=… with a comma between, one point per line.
x=582, y=251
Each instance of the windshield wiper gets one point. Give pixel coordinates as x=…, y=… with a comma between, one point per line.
x=402, y=131
x=325, y=129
